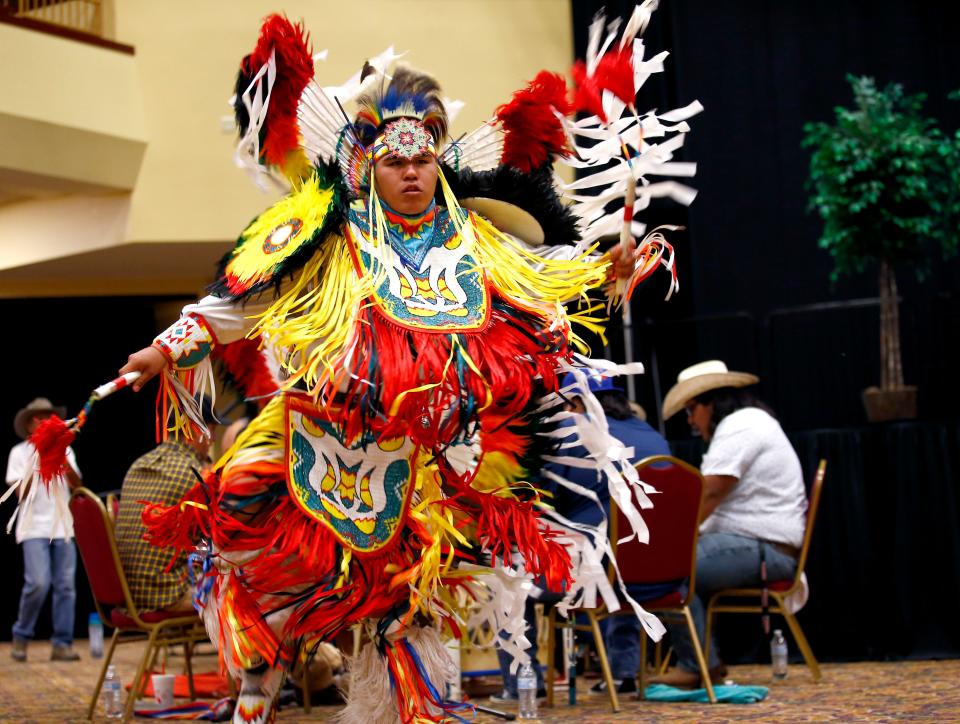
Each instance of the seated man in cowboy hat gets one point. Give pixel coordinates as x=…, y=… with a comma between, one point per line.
x=45, y=530
x=754, y=503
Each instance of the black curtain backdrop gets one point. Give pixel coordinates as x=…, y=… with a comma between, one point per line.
x=755, y=288
x=885, y=555
x=756, y=292
x=61, y=349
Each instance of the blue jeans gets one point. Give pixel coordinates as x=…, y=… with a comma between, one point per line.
x=47, y=562
x=724, y=561
x=621, y=636
x=621, y=633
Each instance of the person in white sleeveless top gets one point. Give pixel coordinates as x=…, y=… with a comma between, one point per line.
x=754, y=504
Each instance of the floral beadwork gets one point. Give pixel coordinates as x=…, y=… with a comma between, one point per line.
x=406, y=138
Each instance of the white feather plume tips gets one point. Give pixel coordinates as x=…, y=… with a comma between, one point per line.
x=641, y=146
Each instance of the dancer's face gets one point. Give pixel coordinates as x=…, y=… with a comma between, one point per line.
x=407, y=184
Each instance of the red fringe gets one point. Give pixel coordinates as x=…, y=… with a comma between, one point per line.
x=251, y=620
x=177, y=526
x=294, y=70
x=532, y=132
x=504, y=524
x=512, y=358
x=51, y=439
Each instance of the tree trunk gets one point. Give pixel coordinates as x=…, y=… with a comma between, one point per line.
x=891, y=366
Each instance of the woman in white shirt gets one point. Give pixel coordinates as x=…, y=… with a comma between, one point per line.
x=754, y=506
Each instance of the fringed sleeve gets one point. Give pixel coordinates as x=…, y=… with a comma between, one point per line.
x=187, y=344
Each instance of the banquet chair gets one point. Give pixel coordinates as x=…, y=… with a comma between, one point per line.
x=98, y=550
x=113, y=507
x=670, y=556
x=732, y=600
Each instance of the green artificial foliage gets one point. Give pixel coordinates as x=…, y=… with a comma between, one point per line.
x=884, y=179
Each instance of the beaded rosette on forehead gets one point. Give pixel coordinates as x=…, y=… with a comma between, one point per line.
x=405, y=138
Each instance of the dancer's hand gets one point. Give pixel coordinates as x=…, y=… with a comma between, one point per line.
x=624, y=260
x=149, y=362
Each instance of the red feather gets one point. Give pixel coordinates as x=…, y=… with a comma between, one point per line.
x=246, y=364
x=51, y=439
x=587, y=96
x=532, y=131
x=294, y=60
x=615, y=74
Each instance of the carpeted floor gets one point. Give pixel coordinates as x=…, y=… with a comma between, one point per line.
x=45, y=691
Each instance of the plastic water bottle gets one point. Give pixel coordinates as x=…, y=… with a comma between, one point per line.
x=527, y=692
x=112, y=692
x=778, y=654
x=95, y=635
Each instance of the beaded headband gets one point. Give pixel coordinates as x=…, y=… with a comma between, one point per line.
x=405, y=138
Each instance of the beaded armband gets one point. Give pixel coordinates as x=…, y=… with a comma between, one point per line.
x=186, y=342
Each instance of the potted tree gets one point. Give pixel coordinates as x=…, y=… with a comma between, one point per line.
x=883, y=178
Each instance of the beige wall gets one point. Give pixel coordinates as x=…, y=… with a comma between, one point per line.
x=188, y=190
x=188, y=54
x=65, y=108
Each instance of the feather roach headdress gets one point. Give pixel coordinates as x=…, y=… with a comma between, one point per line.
x=409, y=94
x=296, y=130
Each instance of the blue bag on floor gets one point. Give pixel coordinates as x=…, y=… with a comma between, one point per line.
x=728, y=694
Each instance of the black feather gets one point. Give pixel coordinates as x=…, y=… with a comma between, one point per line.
x=336, y=216
x=533, y=192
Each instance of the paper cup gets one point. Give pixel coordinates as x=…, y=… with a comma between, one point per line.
x=163, y=689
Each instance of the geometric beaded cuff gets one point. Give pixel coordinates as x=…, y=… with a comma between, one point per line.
x=186, y=342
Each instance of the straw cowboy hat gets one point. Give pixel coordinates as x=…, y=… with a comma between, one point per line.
x=39, y=406
x=700, y=378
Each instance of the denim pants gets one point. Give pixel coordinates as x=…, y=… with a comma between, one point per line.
x=724, y=561
x=47, y=562
x=621, y=636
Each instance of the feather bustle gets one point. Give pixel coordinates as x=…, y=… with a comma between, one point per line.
x=533, y=134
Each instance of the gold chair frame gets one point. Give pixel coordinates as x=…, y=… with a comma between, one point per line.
x=594, y=616
x=777, y=606
x=179, y=630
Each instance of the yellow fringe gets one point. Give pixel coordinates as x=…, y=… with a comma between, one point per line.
x=308, y=202
x=261, y=440
x=528, y=280
x=320, y=309
x=424, y=578
x=495, y=474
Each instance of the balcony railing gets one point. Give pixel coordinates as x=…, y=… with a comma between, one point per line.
x=80, y=20
x=85, y=16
